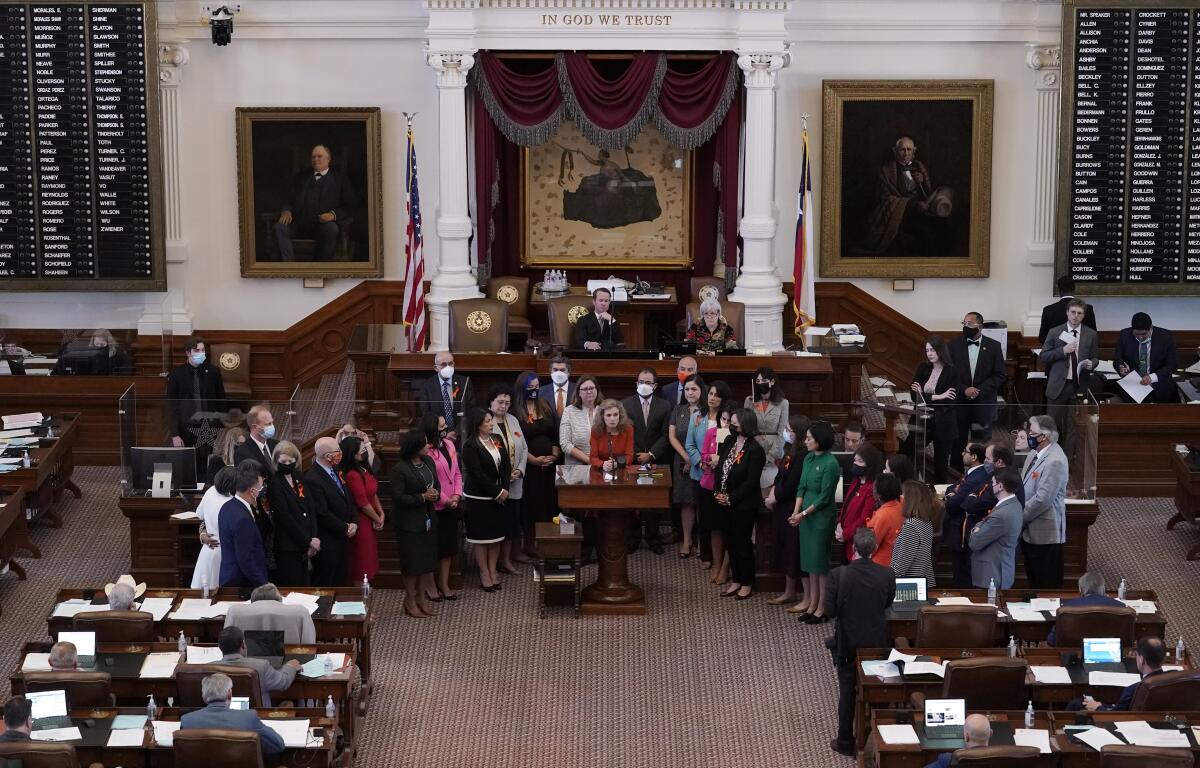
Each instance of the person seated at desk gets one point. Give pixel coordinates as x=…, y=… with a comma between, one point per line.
x=612, y=437
x=712, y=333
x=232, y=642
x=94, y=353
x=598, y=329
x=123, y=592
x=18, y=719
x=1151, y=352
x=977, y=732
x=267, y=611
x=64, y=657
x=1091, y=592
x=1149, y=656
x=217, y=690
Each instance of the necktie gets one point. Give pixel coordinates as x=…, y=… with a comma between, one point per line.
x=1074, y=359
x=447, y=404
x=317, y=177
x=646, y=410
x=560, y=401
x=1143, y=356
x=336, y=480
x=197, y=400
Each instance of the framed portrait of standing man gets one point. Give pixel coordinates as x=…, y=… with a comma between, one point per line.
x=310, y=192
x=906, y=178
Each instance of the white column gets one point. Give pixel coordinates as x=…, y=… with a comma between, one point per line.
x=168, y=313
x=758, y=285
x=1046, y=62
x=453, y=279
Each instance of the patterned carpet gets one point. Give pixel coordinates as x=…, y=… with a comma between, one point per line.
x=699, y=681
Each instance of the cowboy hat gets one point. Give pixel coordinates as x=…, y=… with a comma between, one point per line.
x=125, y=578
x=234, y=418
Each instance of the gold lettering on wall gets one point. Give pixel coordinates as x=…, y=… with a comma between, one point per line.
x=606, y=20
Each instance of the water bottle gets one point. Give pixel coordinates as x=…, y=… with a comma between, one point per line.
x=366, y=588
x=328, y=665
x=1121, y=591
x=26, y=462
x=1012, y=647
x=992, y=592
x=1179, y=651
x=1029, y=715
x=204, y=587
x=182, y=645
x=330, y=708
x=151, y=708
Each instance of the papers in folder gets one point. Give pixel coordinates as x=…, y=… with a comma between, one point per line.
x=897, y=656
x=164, y=732
x=71, y=607
x=358, y=608
x=36, y=662
x=1051, y=675
x=302, y=598
x=1115, y=679
x=1133, y=386
x=954, y=601
x=1045, y=604
x=293, y=732
x=1032, y=737
x=1097, y=738
x=128, y=721
x=1024, y=612
x=925, y=668
x=159, y=664
x=57, y=734
x=898, y=734
x=1142, y=734
x=126, y=737
x=192, y=609
x=200, y=654
x=158, y=606
x=880, y=668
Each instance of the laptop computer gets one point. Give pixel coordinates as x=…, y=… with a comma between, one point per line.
x=240, y=702
x=85, y=646
x=49, y=709
x=945, y=718
x=911, y=590
x=1102, y=654
x=265, y=643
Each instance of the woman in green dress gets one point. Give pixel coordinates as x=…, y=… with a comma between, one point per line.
x=816, y=514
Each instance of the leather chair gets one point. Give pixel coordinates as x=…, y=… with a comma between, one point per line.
x=117, y=626
x=478, y=325
x=563, y=312
x=40, y=754
x=189, y=676
x=1128, y=756
x=699, y=289
x=985, y=682
x=84, y=689
x=734, y=312
x=207, y=747
x=996, y=757
x=513, y=291
x=1072, y=623
x=1178, y=691
x=956, y=626
x=233, y=361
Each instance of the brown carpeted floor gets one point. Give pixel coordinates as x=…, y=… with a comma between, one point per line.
x=700, y=681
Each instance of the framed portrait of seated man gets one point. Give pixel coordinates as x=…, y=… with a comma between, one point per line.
x=310, y=192
x=906, y=178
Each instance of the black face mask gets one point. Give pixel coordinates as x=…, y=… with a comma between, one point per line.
x=969, y=333
x=287, y=469
x=762, y=388
x=531, y=394
x=734, y=430
x=443, y=432
x=857, y=471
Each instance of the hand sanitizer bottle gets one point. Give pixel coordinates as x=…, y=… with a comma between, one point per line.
x=1121, y=591
x=1029, y=715
x=1012, y=647
x=330, y=708
x=991, y=598
x=366, y=588
x=1179, y=651
x=204, y=587
x=151, y=708
x=182, y=645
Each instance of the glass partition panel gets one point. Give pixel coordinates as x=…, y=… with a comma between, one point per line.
x=127, y=423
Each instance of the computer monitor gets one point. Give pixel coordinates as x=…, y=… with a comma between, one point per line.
x=240, y=702
x=182, y=461
x=1101, y=650
x=945, y=712
x=911, y=590
x=85, y=645
x=84, y=361
x=47, y=704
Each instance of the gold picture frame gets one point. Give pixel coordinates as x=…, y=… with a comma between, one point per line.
x=879, y=219
x=274, y=146
x=636, y=215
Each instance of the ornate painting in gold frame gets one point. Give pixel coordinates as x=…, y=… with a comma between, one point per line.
x=583, y=207
x=906, y=178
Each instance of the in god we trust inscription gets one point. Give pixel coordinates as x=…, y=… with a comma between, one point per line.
x=606, y=19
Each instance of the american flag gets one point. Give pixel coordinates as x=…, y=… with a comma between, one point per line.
x=802, y=293
x=414, y=250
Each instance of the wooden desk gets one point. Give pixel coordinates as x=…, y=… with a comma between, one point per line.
x=53, y=463
x=14, y=534
x=1187, y=496
x=919, y=755
x=582, y=491
x=1074, y=753
x=632, y=316
x=1132, y=440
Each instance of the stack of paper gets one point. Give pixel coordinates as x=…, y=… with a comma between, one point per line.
x=21, y=420
x=1049, y=604
x=1024, y=612
x=302, y=598
x=220, y=608
x=127, y=737
x=1142, y=734
x=880, y=668
x=1032, y=737
x=71, y=607
x=1096, y=738
x=159, y=606
x=192, y=609
x=121, y=722
x=8, y=434
x=898, y=734
x=897, y=656
x=349, y=609
x=159, y=664
x=1142, y=606
x=57, y=734
x=36, y=662
x=189, y=515
x=164, y=732
x=293, y=732
x=1115, y=679
x=954, y=601
x=200, y=654
x=925, y=668
x=1051, y=675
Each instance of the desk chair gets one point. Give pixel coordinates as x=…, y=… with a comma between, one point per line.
x=956, y=626
x=1128, y=756
x=563, y=312
x=1168, y=691
x=208, y=747
x=189, y=676
x=996, y=757
x=233, y=361
x=1075, y=622
x=84, y=689
x=478, y=325
x=117, y=626
x=985, y=682
x=513, y=291
x=734, y=312
x=699, y=289
x=40, y=754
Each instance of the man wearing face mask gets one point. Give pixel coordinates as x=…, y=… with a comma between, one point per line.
x=975, y=476
x=329, y=500
x=243, y=556
x=260, y=425
x=979, y=504
x=561, y=390
x=193, y=388
x=979, y=361
x=1045, y=480
x=673, y=392
x=651, y=417
x=1151, y=352
x=446, y=393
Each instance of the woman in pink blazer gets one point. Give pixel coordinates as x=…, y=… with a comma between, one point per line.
x=449, y=503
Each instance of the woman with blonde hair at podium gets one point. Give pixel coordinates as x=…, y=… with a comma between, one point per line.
x=612, y=437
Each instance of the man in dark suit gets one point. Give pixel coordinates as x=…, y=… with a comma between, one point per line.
x=598, y=329
x=1151, y=352
x=314, y=201
x=217, y=690
x=260, y=425
x=447, y=394
x=560, y=391
x=858, y=596
x=18, y=719
x=651, y=417
x=243, y=556
x=1054, y=314
x=954, y=534
x=673, y=392
x=330, y=501
x=980, y=365
x=1150, y=654
x=1069, y=366
x=194, y=388
x=979, y=504
x=1091, y=592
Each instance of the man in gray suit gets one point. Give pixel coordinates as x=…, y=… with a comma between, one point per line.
x=994, y=539
x=267, y=611
x=232, y=642
x=1045, y=482
x=217, y=690
x=1069, y=365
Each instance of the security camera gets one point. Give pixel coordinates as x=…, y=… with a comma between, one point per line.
x=220, y=20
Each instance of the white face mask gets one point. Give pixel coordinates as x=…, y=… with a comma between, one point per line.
x=645, y=390
x=447, y=372
x=559, y=377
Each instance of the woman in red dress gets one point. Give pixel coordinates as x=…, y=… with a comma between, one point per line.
x=362, y=556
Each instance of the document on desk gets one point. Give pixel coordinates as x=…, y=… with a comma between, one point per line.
x=1194, y=367
x=127, y=737
x=358, y=608
x=220, y=608
x=1096, y=738
x=1049, y=604
x=121, y=722
x=1106, y=367
x=189, y=515
x=313, y=667
x=898, y=734
x=293, y=732
x=897, y=656
x=31, y=419
x=11, y=459
x=158, y=606
x=304, y=599
x=880, y=668
x=1133, y=386
x=1142, y=606
x=57, y=734
x=73, y=607
x=1143, y=734
x=192, y=609
x=201, y=654
x=11, y=433
x=925, y=668
x=1024, y=612
x=1032, y=737
x=954, y=601
x=1051, y=675
x=164, y=732
x=160, y=664
x=1115, y=679
x=36, y=662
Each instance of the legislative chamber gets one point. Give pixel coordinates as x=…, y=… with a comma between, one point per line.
x=599, y=383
